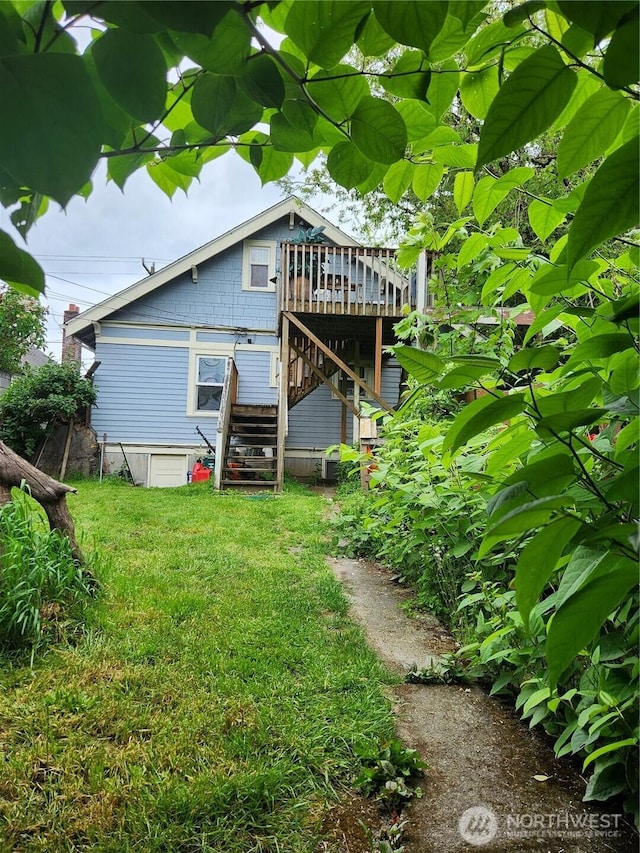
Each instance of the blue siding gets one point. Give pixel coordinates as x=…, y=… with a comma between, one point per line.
x=217, y=299
x=142, y=394
x=128, y=332
x=315, y=423
x=254, y=370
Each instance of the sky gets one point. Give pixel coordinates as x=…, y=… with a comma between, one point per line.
x=94, y=248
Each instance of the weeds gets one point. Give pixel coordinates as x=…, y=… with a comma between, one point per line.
x=44, y=593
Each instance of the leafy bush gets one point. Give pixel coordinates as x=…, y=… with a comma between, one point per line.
x=44, y=593
x=33, y=401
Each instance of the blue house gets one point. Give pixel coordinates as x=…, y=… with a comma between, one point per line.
x=262, y=345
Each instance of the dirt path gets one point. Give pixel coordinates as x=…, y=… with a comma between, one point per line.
x=480, y=755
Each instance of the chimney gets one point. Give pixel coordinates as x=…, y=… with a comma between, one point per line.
x=71, y=347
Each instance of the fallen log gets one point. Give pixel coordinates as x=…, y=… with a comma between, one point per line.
x=49, y=493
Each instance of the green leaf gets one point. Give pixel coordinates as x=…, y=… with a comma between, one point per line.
x=167, y=178
x=132, y=69
x=225, y=51
x=417, y=118
x=608, y=780
x=325, y=29
x=477, y=90
x=522, y=519
x=610, y=203
x=479, y=415
x=348, y=166
x=463, y=375
x=426, y=179
x=472, y=247
x=398, y=179
x=627, y=437
x=222, y=107
x=378, y=131
x=338, y=97
x=372, y=39
x=271, y=165
x=526, y=105
x=423, y=366
x=600, y=346
x=409, y=77
x=463, y=186
x=415, y=24
x=543, y=321
x=48, y=99
x=543, y=218
x=489, y=41
x=486, y=197
x=551, y=280
x=293, y=129
x=610, y=747
x=548, y=473
x=578, y=620
x=599, y=19
x=121, y=167
x=460, y=156
x=592, y=130
x=188, y=15
x=443, y=86
x=523, y=12
x=621, y=65
x=18, y=269
x=263, y=81
x=567, y=421
x=538, y=560
x=535, y=358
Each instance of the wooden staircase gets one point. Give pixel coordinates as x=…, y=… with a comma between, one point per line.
x=309, y=366
x=250, y=456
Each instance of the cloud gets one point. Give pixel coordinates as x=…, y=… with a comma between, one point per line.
x=95, y=247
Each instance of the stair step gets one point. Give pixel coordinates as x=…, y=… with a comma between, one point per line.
x=262, y=483
x=253, y=411
x=238, y=427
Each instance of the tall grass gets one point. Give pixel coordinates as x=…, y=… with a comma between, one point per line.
x=43, y=591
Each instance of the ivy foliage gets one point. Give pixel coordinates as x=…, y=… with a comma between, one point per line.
x=34, y=401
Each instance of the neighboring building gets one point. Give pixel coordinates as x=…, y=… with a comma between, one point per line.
x=258, y=341
x=34, y=358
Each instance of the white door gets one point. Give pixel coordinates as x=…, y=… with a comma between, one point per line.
x=167, y=469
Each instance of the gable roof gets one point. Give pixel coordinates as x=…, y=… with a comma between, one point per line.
x=82, y=325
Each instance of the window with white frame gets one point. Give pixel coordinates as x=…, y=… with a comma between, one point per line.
x=259, y=265
x=365, y=373
x=210, y=371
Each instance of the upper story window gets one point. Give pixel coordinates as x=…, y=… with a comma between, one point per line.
x=259, y=265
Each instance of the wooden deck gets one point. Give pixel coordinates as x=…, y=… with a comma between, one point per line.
x=348, y=281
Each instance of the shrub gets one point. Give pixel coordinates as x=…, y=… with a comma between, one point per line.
x=33, y=401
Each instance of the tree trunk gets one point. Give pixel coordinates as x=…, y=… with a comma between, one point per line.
x=50, y=494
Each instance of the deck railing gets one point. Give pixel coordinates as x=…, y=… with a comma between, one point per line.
x=354, y=280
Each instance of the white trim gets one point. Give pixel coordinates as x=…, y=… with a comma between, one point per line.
x=223, y=351
x=141, y=342
x=271, y=246
x=290, y=205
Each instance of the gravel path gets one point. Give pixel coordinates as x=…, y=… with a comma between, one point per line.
x=481, y=756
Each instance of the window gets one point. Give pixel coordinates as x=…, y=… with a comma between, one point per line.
x=365, y=373
x=259, y=268
x=209, y=382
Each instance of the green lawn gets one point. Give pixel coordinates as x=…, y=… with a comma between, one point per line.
x=215, y=701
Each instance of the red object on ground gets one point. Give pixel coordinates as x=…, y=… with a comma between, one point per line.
x=200, y=473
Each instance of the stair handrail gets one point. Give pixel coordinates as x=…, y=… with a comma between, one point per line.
x=228, y=399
